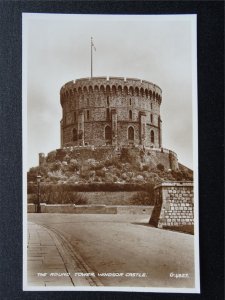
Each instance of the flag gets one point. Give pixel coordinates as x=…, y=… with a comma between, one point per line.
x=92, y=44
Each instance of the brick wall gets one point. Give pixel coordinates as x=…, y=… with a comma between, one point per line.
x=174, y=204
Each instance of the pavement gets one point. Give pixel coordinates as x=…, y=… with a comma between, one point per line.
x=49, y=263
x=75, y=250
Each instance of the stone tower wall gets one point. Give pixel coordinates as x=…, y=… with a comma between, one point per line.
x=113, y=111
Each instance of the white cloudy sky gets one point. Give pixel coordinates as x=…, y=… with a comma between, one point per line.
x=56, y=49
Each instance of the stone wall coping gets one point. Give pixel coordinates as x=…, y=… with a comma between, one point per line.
x=92, y=205
x=174, y=183
x=106, y=78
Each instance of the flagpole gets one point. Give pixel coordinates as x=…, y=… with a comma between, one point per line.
x=91, y=56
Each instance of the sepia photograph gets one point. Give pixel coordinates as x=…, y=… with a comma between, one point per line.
x=110, y=153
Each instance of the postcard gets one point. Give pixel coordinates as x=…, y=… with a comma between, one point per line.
x=110, y=153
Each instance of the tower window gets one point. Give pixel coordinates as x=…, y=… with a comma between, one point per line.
x=151, y=118
x=74, y=134
x=130, y=114
x=107, y=114
x=108, y=100
x=151, y=105
x=130, y=133
x=108, y=133
x=75, y=117
x=130, y=101
x=152, y=136
x=88, y=115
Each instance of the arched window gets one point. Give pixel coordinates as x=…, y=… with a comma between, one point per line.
x=113, y=90
x=107, y=89
x=107, y=114
x=152, y=136
x=74, y=134
x=150, y=94
x=130, y=133
x=130, y=114
x=131, y=90
x=102, y=89
x=108, y=133
x=136, y=91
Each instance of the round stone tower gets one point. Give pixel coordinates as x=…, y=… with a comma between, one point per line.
x=111, y=111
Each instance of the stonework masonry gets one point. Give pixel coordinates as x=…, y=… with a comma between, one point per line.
x=151, y=156
x=174, y=204
x=110, y=111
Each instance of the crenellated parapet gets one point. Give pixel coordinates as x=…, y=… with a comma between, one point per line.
x=111, y=86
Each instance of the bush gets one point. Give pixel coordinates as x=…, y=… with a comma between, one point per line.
x=100, y=173
x=177, y=175
x=33, y=172
x=143, y=198
x=56, y=166
x=160, y=167
x=57, y=175
x=145, y=168
x=60, y=194
x=92, y=187
x=109, y=162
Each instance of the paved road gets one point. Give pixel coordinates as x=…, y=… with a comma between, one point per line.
x=122, y=245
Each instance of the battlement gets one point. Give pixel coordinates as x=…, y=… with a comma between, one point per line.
x=130, y=86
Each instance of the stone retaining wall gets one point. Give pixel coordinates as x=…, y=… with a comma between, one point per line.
x=174, y=204
x=91, y=209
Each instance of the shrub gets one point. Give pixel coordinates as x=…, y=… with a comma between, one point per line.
x=92, y=187
x=145, y=167
x=100, y=173
x=108, y=162
x=142, y=198
x=60, y=194
x=177, y=175
x=33, y=172
x=56, y=166
x=139, y=178
x=32, y=198
x=73, y=165
x=57, y=175
x=160, y=167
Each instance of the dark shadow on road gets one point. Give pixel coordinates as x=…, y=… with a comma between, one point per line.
x=143, y=224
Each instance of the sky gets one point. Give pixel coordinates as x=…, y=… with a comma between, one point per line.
x=160, y=49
